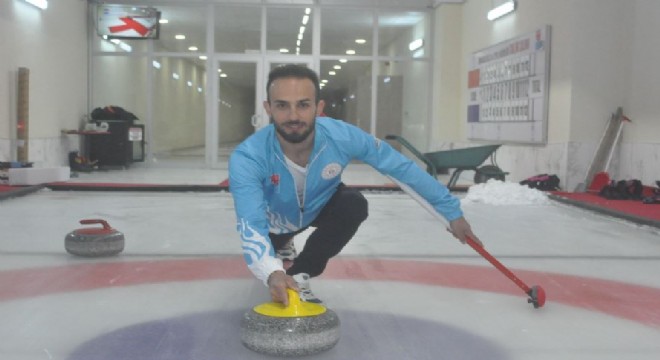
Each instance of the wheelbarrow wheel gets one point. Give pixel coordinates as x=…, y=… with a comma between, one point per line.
x=488, y=172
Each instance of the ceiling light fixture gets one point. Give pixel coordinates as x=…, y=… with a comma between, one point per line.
x=180, y=37
x=163, y=21
x=124, y=46
x=193, y=48
x=361, y=41
x=350, y=52
x=305, y=19
x=41, y=4
x=416, y=44
x=504, y=8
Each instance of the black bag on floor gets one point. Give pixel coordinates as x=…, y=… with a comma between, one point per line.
x=655, y=198
x=622, y=190
x=113, y=113
x=543, y=182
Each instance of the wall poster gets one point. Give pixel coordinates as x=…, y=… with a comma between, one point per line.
x=508, y=90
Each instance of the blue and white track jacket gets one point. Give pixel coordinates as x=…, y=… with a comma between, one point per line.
x=264, y=191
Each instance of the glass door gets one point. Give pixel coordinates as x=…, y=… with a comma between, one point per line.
x=238, y=106
x=240, y=90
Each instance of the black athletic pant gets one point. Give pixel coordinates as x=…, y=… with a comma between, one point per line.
x=335, y=226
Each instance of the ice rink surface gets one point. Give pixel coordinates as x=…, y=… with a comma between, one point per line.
x=403, y=287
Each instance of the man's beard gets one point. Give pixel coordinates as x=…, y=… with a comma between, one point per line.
x=294, y=138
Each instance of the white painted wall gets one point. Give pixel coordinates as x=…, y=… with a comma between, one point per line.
x=52, y=45
x=602, y=57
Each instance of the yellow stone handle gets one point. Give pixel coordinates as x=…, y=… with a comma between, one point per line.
x=294, y=298
x=296, y=307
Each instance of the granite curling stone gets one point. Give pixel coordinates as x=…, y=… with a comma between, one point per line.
x=299, y=329
x=94, y=241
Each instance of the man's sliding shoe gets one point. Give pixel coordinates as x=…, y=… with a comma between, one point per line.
x=305, y=292
x=288, y=252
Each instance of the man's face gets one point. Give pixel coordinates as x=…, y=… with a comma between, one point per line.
x=293, y=108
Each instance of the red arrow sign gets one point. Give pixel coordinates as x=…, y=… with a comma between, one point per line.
x=130, y=24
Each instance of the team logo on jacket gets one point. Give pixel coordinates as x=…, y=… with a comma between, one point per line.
x=330, y=171
x=275, y=179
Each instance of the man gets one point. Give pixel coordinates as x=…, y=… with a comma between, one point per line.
x=286, y=177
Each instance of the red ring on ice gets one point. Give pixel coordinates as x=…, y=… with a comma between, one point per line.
x=628, y=301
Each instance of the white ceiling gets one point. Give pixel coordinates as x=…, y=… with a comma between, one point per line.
x=186, y=19
x=414, y=4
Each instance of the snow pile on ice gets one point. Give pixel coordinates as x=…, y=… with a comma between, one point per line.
x=495, y=192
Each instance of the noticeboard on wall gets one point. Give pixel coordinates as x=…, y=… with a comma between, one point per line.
x=508, y=90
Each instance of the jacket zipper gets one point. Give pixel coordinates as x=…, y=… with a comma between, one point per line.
x=301, y=202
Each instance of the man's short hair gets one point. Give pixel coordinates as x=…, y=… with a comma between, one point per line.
x=296, y=71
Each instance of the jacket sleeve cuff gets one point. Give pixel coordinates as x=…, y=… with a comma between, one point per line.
x=265, y=267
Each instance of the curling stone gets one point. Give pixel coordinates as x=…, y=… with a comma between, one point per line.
x=301, y=328
x=94, y=241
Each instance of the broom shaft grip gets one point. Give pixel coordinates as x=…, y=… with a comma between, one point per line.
x=486, y=255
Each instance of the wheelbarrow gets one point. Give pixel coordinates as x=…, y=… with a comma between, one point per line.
x=458, y=159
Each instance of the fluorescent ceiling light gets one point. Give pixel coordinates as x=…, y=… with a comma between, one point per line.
x=415, y=44
x=350, y=52
x=124, y=46
x=180, y=37
x=193, y=48
x=501, y=10
x=305, y=19
x=360, y=41
x=41, y=4
x=163, y=21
